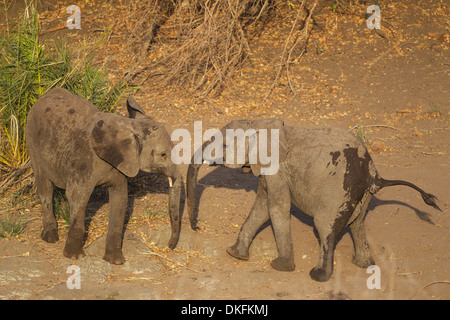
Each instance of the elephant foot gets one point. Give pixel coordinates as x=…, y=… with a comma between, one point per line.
x=234, y=252
x=194, y=225
x=173, y=243
x=114, y=258
x=50, y=235
x=320, y=275
x=73, y=253
x=363, y=262
x=283, y=264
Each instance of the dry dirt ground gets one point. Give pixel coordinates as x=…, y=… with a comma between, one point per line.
x=392, y=90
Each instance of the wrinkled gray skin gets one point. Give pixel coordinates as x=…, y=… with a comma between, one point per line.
x=326, y=173
x=74, y=146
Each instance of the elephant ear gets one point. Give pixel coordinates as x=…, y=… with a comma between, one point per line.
x=266, y=136
x=114, y=141
x=134, y=109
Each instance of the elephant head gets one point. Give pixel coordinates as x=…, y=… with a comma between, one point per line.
x=243, y=141
x=140, y=143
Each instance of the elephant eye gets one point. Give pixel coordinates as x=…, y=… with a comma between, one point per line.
x=163, y=154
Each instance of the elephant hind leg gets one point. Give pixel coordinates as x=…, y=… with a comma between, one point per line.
x=259, y=214
x=328, y=236
x=362, y=257
x=322, y=272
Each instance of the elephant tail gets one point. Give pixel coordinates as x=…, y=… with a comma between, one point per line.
x=428, y=198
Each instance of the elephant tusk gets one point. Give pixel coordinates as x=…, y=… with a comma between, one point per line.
x=207, y=162
x=170, y=182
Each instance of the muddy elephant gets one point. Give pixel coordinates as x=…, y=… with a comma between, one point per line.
x=76, y=147
x=327, y=173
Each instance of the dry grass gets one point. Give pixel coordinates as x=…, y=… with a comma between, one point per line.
x=201, y=43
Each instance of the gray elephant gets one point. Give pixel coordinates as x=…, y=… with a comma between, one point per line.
x=326, y=173
x=76, y=147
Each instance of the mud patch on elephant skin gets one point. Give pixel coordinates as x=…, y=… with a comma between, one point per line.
x=334, y=157
x=335, y=161
x=146, y=131
x=357, y=180
x=357, y=176
x=98, y=134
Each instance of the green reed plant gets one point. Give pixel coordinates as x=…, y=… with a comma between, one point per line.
x=11, y=227
x=28, y=69
x=61, y=206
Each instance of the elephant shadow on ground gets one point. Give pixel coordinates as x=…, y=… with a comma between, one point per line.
x=138, y=187
x=222, y=177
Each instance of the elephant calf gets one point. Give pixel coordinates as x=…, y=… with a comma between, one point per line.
x=326, y=173
x=74, y=146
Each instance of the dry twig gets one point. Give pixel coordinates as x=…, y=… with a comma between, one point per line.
x=430, y=284
x=8, y=181
x=303, y=36
x=203, y=43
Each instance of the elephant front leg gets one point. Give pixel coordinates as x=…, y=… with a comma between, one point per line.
x=118, y=201
x=78, y=198
x=259, y=214
x=279, y=204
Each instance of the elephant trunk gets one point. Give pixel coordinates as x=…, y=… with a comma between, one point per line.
x=191, y=188
x=174, y=207
x=191, y=193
